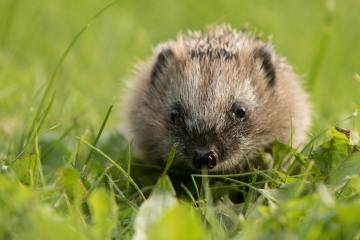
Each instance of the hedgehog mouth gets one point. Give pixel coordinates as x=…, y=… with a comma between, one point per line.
x=204, y=158
x=194, y=159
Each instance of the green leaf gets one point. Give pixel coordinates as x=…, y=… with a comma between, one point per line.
x=349, y=213
x=161, y=199
x=71, y=182
x=280, y=151
x=330, y=154
x=345, y=169
x=178, y=223
x=355, y=184
x=23, y=216
x=103, y=213
x=25, y=169
x=164, y=186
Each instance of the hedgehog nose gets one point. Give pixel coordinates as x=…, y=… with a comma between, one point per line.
x=204, y=156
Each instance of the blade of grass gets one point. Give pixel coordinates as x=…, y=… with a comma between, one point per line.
x=97, y=182
x=98, y=135
x=8, y=21
x=121, y=196
x=208, y=207
x=128, y=161
x=271, y=179
x=48, y=150
x=249, y=197
x=123, y=172
x=195, y=186
x=114, y=187
x=37, y=127
x=31, y=178
x=39, y=164
x=187, y=191
x=160, y=168
x=170, y=159
x=251, y=187
x=233, y=175
x=324, y=41
x=59, y=64
x=45, y=114
x=304, y=179
x=73, y=159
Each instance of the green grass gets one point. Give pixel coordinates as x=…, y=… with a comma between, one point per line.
x=67, y=173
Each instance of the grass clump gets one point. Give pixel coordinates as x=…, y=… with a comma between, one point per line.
x=306, y=194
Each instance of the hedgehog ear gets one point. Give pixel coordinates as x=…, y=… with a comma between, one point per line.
x=264, y=57
x=163, y=60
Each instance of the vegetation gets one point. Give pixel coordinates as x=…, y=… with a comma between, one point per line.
x=66, y=172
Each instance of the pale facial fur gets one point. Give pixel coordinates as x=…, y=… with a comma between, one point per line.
x=190, y=93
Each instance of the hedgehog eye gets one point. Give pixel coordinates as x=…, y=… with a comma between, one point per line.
x=176, y=113
x=238, y=111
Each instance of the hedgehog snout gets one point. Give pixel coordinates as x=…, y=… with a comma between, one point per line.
x=203, y=156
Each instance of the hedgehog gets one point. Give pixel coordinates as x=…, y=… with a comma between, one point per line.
x=220, y=96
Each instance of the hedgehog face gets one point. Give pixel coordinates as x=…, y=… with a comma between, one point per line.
x=209, y=106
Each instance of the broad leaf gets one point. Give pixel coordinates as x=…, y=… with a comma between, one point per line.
x=103, y=213
x=161, y=199
x=178, y=223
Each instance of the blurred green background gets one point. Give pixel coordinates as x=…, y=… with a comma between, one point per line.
x=320, y=39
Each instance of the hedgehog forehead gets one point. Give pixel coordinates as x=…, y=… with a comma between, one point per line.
x=213, y=87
